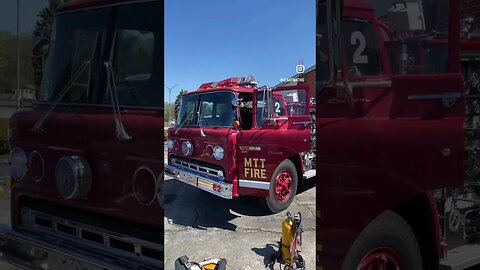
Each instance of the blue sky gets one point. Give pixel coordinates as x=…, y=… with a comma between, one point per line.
x=212, y=40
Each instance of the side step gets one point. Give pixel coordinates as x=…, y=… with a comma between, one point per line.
x=309, y=174
x=461, y=258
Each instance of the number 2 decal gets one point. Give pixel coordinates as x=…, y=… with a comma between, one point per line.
x=277, y=107
x=358, y=38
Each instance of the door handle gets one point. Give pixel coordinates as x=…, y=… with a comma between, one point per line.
x=448, y=98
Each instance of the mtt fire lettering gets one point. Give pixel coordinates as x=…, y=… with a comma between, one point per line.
x=255, y=168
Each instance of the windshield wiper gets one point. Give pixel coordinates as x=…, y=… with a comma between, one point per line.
x=183, y=122
x=39, y=124
x=120, y=131
x=202, y=134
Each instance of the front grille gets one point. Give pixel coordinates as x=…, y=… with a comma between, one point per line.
x=91, y=236
x=202, y=169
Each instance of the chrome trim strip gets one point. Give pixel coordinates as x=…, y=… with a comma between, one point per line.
x=447, y=95
x=226, y=188
x=305, y=123
x=367, y=84
x=372, y=84
x=254, y=184
x=65, y=149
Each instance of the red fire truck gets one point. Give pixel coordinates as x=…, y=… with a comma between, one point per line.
x=233, y=138
x=397, y=136
x=86, y=160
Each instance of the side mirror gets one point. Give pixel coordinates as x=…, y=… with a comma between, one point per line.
x=237, y=102
x=40, y=46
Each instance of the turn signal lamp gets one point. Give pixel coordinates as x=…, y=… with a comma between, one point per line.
x=236, y=124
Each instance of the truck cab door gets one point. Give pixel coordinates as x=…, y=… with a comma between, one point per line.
x=281, y=129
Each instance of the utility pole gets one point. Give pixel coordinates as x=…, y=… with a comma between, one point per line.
x=170, y=100
x=18, y=56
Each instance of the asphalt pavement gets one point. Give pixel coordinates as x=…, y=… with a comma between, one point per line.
x=201, y=225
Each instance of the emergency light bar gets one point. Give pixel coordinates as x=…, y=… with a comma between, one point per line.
x=248, y=81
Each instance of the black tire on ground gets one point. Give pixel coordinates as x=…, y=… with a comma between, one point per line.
x=389, y=230
x=271, y=202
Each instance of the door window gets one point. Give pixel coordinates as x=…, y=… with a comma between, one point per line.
x=361, y=49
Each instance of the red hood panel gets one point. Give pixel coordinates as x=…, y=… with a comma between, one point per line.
x=224, y=137
x=90, y=133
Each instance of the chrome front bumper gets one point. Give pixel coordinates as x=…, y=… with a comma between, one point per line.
x=203, y=181
x=30, y=250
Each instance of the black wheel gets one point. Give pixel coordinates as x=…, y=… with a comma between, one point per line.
x=387, y=243
x=283, y=187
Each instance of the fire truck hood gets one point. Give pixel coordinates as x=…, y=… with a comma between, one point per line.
x=204, y=144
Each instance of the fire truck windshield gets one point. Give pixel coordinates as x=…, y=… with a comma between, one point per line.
x=207, y=110
x=125, y=35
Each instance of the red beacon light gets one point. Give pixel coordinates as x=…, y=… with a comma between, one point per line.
x=229, y=82
x=206, y=86
x=248, y=81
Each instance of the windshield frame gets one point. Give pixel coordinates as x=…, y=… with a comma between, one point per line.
x=98, y=87
x=197, y=109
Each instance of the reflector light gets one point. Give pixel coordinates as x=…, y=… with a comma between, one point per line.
x=36, y=166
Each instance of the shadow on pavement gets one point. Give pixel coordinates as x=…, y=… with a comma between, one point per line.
x=306, y=185
x=268, y=252
x=188, y=206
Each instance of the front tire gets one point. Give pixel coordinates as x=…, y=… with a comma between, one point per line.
x=283, y=187
x=387, y=243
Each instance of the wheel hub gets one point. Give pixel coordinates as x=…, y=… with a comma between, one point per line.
x=381, y=259
x=283, y=186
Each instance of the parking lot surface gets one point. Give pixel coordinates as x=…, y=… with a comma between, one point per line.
x=201, y=225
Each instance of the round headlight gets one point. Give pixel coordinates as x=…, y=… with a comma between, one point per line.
x=218, y=152
x=169, y=144
x=187, y=148
x=18, y=164
x=73, y=177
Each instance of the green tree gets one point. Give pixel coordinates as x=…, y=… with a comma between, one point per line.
x=178, y=99
x=43, y=28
